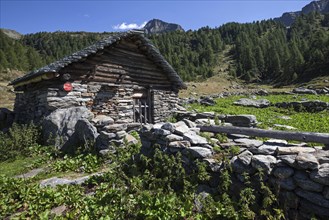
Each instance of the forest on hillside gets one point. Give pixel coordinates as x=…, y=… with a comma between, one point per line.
x=264, y=51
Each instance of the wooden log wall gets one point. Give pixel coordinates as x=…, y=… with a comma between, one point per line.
x=123, y=63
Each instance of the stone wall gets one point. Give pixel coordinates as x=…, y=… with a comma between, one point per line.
x=103, y=99
x=299, y=174
x=165, y=102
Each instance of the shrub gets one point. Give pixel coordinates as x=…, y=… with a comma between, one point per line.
x=19, y=141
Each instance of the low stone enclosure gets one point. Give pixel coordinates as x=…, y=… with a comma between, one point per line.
x=298, y=173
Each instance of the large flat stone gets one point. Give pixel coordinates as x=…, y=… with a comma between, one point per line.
x=294, y=150
x=283, y=172
x=249, y=142
x=181, y=128
x=264, y=149
x=200, y=152
x=245, y=157
x=194, y=138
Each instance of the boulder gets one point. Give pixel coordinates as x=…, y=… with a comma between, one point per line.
x=179, y=145
x=168, y=126
x=131, y=139
x=294, y=150
x=313, y=197
x=260, y=103
x=189, y=123
x=60, y=125
x=115, y=127
x=287, y=184
x=264, y=149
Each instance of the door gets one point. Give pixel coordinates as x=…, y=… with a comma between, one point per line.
x=142, y=106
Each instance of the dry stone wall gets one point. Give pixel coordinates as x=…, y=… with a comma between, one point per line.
x=298, y=173
x=101, y=99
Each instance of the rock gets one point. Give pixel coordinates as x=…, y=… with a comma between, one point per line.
x=241, y=120
x=264, y=162
x=60, y=125
x=277, y=142
x=294, y=150
x=264, y=149
x=207, y=101
x=54, y=181
x=158, y=125
x=307, y=161
x=194, y=138
x=195, y=130
x=312, y=197
x=283, y=172
x=304, y=91
x=321, y=175
x=168, y=126
x=181, y=128
x=102, y=120
x=121, y=134
x=59, y=210
x=260, y=103
x=200, y=152
x=179, y=144
x=189, y=123
x=31, y=173
x=213, y=165
x=303, y=181
x=210, y=115
x=115, y=127
x=284, y=117
x=287, y=184
x=249, y=142
x=322, y=156
x=103, y=140
x=130, y=139
x=161, y=132
x=204, y=121
x=239, y=167
x=262, y=92
x=173, y=137
x=289, y=199
x=288, y=159
x=106, y=152
x=85, y=134
x=245, y=157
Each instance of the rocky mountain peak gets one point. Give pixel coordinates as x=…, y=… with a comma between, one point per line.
x=288, y=18
x=11, y=33
x=156, y=26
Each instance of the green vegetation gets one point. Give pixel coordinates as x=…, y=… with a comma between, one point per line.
x=302, y=121
x=132, y=187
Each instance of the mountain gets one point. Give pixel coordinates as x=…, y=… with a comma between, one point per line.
x=156, y=26
x=11, y=33
x=321, y=6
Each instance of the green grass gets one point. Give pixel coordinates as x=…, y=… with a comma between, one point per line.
x=267, y=117
x=18, y=166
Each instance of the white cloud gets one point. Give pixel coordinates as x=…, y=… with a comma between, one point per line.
x=125, y=26
x=86, y=15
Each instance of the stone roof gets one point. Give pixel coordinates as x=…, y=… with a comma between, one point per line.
x=150, y=50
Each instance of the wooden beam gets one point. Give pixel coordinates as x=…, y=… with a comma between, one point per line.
x=285, y=135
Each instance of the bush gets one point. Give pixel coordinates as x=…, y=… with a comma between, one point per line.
x=19, y=141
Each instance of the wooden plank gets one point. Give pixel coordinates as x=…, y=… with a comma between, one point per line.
x=285, y=135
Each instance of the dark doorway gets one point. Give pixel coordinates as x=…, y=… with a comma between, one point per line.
x=142, y=107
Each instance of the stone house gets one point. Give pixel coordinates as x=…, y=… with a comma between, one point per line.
x=123, y=76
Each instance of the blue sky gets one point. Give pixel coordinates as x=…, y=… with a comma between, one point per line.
x=27, y=16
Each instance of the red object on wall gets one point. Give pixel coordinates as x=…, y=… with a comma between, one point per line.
x=67, y=87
